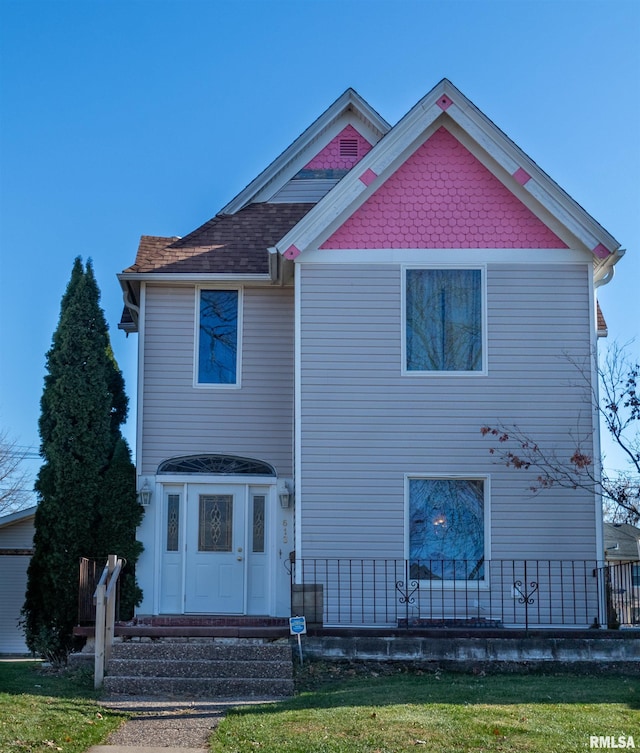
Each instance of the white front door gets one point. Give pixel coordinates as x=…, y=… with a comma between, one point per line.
x=215, y=549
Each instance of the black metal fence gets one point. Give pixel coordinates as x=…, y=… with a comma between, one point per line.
x=621, y=585
x=456, y=593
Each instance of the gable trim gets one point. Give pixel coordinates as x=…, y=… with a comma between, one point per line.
x=293, y=170
x=445, y=256
x=408, y=134
x=191, y=277
x=349, y=102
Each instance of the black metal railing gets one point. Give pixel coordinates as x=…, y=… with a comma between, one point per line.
x=620, y=584
x=457, y=593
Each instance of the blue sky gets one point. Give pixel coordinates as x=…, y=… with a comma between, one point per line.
x=145, y=117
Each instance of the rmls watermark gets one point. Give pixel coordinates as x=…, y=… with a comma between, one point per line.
x=611, y=741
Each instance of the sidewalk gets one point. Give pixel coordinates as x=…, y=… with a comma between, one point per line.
x=167, y=725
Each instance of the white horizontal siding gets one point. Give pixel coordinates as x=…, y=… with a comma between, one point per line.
x=13, y=586
x=13, y=583
x=18, y=535
x=303, y=191
x=253, y=421
x=365, y=425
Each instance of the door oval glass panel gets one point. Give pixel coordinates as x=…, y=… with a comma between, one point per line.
x=215, y=523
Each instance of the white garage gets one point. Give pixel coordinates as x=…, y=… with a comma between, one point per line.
x=16, y=548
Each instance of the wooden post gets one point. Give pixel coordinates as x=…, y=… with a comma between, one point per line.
x=105, y=598
x=110, y=614
x=100, y=635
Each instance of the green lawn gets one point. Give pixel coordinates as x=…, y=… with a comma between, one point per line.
x=350, y=709
x=451, y=713
x=42, y=710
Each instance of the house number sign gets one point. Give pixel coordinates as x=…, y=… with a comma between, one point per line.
x=285, y=538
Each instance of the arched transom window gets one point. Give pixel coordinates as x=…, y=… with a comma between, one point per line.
x=221, y=465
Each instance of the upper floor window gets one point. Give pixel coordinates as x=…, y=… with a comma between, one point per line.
x=443, y=320
x=218, y=337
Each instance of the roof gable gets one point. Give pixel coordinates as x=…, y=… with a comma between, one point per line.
x=349, y=110
x=443, y=197
x=468, y=186
x=446, y=106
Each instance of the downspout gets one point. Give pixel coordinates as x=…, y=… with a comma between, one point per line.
x=608, y=276
x=128, y=302
x=600, y=552
x=595, y=419
x=274, y=266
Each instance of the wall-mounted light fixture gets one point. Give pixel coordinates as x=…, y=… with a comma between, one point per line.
x=284, y=496
x=144, y=494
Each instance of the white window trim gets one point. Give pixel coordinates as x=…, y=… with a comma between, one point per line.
x=458, y=585
x=403, y=323
x=196, y=338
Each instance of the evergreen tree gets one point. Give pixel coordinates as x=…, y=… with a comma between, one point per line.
x=83, y=406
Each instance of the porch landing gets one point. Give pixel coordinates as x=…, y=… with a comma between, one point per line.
x=196, y=626
x=271, y=628
x=470, y=648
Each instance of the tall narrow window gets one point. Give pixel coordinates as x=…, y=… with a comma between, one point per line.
x=443, y=320
x=258, y=523
x=446, y=528
x=173, y=522
x=218, y=337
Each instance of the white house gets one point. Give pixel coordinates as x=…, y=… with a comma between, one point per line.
x=316, y=362
x=16, y=548
x=622, y=553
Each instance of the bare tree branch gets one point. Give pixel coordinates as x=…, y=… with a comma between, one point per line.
x=15, y=483
x=618, y=407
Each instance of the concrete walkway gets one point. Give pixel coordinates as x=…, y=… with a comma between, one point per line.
x=167, y=725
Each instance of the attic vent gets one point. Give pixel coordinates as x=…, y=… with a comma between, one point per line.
x=348, y=147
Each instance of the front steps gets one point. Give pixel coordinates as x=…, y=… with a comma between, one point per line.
x=201, y=667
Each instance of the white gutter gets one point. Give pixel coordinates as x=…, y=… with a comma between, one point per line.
x=193, y=277
x=610, y=268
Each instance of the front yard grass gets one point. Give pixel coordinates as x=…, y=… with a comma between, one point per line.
x=453, y=713
x=44, y=710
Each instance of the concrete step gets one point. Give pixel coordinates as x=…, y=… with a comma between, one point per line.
x=202, y=649
x=203, y=687
x=201, y=668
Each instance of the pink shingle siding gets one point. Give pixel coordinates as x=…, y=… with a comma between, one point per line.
x=443, y=197
x=329, y=158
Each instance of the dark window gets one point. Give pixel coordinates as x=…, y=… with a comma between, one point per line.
x=446, y=528
x=258, y=522
x=443, y=320
x=218, y=341
x=173, y=522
